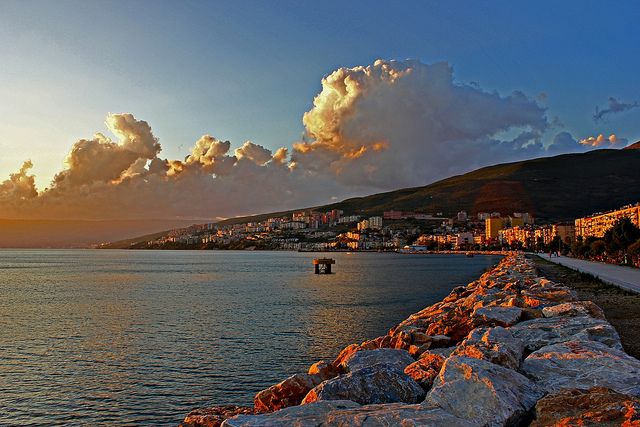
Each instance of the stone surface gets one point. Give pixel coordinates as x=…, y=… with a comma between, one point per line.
x=583, y=364
x=214, y=417
x=575, y=309
x=497, y=316
x=397, y=358
x=312, y=415
x=347, y=413
x=444, y=352
x=496, y=345
x=397, y=414
x=289, y=392
x=380, y=383
x=425, y=370
x=478, y=390
x=595, y=407
x=538, y=333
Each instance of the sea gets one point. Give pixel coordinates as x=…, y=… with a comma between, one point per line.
x=137, y=338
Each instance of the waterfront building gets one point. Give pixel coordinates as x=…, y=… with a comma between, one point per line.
x=463, y=240
x=597, y=225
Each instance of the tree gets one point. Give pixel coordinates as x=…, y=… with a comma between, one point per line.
x=619, y=237
x=634, y=251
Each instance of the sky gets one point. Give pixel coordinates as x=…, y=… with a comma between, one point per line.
x=205, y=110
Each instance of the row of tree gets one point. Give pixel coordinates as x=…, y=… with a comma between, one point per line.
x=620, y=244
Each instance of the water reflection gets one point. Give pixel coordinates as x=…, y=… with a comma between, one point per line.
x=142, y=337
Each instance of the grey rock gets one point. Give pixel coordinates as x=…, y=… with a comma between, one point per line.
x=538, y=333
x=312, y=415
x=496, y=345
x=345, y=413
x=397, y=358
x=380, y=383
x=575, y=309
x=497, y=316
x=583, y=364
x=478, y=390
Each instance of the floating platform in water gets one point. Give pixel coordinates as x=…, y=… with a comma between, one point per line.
x=323, y=265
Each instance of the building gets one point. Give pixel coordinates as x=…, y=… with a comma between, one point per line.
x=492, y=227
x=463, y=240
x=597, y=225
x=375, y=222
x=566, y=232
x=494, y=224
x=392, y=215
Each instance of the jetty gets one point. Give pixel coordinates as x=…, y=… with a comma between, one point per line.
x=323, y=265
x=511, y=349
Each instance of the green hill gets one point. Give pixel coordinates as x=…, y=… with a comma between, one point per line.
x=559, y=188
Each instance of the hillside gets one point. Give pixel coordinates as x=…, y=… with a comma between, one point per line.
x=559, y=188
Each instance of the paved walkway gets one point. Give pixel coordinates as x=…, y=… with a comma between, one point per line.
x=625, y=277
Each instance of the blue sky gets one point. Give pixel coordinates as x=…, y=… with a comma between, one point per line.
x=249, y=70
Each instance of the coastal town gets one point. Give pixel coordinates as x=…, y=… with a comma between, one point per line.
x=395, y=230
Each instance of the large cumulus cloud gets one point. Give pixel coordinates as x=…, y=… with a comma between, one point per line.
x=381, y=127
x=406, y=123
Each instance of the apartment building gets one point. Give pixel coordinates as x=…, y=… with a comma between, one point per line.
x=597, y=225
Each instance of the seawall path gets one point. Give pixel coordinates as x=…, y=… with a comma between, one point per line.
x=509, y=349
x=625, y=277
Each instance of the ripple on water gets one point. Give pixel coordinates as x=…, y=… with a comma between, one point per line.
x=135, y=338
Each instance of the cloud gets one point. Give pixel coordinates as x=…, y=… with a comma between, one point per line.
x=381, y=127
x=20, y=186
x=397, y=124
x=257, y=154
x=603, y=142
x=615, y=107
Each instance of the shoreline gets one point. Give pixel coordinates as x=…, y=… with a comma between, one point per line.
x=498, y=323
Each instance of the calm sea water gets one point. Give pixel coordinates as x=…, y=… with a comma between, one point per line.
x=133, y=338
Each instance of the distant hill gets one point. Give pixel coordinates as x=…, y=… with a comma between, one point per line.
x=559, y=188
x=77, y=234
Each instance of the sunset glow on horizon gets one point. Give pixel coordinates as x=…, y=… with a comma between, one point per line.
x=218, y=110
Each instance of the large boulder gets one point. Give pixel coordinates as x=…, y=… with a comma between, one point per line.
x=380, y=383
x=397, y=358
x=312, y=415
x=497, y=316
x=346, y=413
x=426, y=369
x=547, y=297
x=496, y=345
x=583, y=364
x=289, y=392
x=597, y=406
x=575, y=309
x=478, y=390
x=397, y=414
x=538, y=333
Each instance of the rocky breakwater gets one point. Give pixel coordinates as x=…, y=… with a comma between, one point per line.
x=509, y=349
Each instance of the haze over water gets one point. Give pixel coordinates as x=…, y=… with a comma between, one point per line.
x=143, y=337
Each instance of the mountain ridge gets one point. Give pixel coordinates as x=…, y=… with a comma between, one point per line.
x=557, y=188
